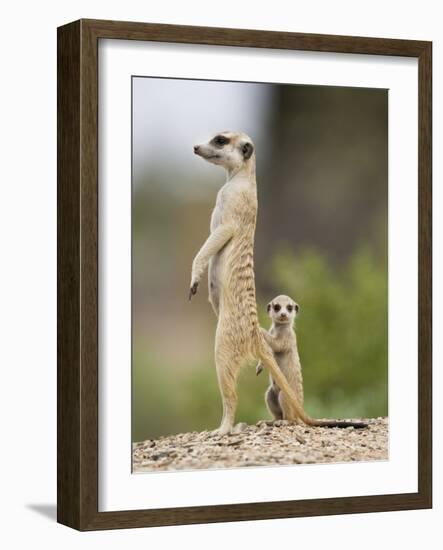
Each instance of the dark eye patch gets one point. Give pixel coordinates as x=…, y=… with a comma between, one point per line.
x=277, y=307
x=220, y=141
x=289, y=308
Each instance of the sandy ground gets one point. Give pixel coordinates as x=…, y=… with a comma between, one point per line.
x=263, y=444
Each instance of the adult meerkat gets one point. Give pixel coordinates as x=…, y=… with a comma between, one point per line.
x=228, y=252
x=282, y=339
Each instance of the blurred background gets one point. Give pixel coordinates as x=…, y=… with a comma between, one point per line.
x=322, y=177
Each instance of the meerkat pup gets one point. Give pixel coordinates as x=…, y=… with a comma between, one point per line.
x=282, y=339
x=228, y=253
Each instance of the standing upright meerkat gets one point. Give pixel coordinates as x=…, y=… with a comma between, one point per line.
x=282, y=339
x=229, y=252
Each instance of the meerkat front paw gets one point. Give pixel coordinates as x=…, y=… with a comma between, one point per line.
x=193, y=289
x=258, y=369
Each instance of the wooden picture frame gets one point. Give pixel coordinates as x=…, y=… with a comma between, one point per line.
x=77, y=455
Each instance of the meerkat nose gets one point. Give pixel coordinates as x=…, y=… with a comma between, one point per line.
x=196, y=148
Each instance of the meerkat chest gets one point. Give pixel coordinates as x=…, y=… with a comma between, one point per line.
x=220, y=206
x=286, y=339
x=216, y=218
x=236, y=203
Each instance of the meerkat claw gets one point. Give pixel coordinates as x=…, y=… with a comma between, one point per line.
x=193, y=290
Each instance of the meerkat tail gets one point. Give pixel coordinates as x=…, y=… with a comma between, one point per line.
x=269, y=362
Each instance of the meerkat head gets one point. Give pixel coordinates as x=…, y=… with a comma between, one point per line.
x=232, y=150
x=283, y=310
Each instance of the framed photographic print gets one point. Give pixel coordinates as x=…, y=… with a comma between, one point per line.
x=287, y=178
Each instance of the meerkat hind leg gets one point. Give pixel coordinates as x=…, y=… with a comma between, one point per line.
x=227, y=374
x=273, y=403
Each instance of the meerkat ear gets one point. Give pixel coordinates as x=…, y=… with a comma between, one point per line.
x=296, y=307
x=247, y=150
x=268, y=307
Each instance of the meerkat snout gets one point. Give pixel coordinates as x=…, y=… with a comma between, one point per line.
x=206, y=152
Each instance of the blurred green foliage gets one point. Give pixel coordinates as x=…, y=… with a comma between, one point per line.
x=342, y=337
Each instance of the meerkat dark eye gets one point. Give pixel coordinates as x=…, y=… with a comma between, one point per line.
x=277, y=307
x=289, y=308
x=220, y=141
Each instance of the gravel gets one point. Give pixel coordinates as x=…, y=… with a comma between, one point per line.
x=263, y=444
